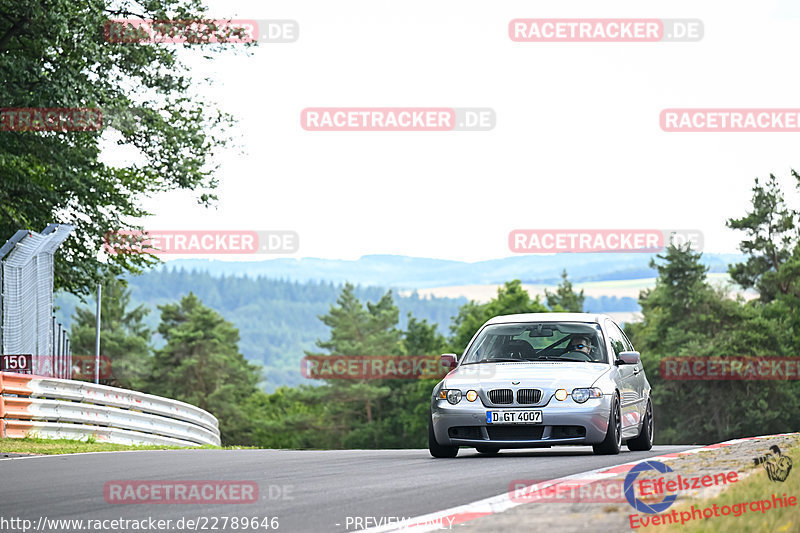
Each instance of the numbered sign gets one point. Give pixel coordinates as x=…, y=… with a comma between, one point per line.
x=19, y=363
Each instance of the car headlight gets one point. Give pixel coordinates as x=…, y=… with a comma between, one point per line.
x=451, y=395
x=581, y=395
x=472, y=395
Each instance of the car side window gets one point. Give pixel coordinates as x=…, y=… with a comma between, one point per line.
x=618, y=341
x=628, y=345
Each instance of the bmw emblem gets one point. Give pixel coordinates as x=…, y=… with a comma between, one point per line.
x=515, y=382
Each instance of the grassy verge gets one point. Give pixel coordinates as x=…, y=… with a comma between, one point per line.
x=61, y=446
x=756, y=487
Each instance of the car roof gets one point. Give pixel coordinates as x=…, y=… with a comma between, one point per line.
x=550, y=317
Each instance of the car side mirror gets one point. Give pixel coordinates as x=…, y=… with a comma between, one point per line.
x=449, y=360
x=629, y=358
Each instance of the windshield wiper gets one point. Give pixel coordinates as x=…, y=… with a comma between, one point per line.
x=564, y=359
x=498, y=360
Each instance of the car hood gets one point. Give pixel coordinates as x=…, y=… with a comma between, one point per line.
x=543, y=375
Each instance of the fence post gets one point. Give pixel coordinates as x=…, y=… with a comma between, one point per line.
x=97, y=336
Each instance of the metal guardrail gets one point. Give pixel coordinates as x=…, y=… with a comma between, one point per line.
x=63, y=408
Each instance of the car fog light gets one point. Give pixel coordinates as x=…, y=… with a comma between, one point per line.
x=561, y=395
x=472, y=395
x=454, y=396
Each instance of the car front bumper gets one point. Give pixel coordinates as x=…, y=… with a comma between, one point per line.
x=464, y=424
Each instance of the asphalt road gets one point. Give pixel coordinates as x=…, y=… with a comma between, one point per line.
x=308, y=491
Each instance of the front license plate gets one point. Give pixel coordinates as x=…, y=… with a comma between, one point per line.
x=513, y=417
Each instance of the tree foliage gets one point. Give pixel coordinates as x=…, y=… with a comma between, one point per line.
x=685, y=316
x=54, y=55
x=565, y=299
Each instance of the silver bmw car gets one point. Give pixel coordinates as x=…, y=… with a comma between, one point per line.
x=540, y=380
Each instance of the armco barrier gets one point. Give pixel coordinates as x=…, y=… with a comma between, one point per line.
x=63, y=408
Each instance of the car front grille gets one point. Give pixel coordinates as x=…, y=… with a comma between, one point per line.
x=527, y=396
x=501, y=396
x=515, y=432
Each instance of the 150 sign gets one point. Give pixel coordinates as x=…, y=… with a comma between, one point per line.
x=19, y=363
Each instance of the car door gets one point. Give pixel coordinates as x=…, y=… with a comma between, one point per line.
x=628, y=377
x=640, y=381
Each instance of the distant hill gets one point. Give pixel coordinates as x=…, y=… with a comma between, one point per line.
x=419, y=273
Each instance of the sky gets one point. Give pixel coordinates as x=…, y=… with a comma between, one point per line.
x=577, y=141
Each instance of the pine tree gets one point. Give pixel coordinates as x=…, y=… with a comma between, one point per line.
x=201, y=365
x=124, y=338
x=355, y=404
x=772, y=240
x=565, y=299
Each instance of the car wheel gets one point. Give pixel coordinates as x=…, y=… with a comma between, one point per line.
x=487, y=450
x=436, y=449
x=613, y=441
x=644, y=441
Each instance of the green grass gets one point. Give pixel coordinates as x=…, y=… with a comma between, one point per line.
x=62, y=446
x=756, y=487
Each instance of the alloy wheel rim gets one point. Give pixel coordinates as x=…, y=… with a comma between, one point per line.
x=650, y=422
x=618, y=425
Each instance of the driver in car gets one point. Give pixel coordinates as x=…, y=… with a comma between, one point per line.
x=580, y=343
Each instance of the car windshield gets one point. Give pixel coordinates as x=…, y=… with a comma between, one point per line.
x=538, y=341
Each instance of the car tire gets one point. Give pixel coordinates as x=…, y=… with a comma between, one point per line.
x=613, y=441
x=436, y=449
x=644, y=441
x=487, y=450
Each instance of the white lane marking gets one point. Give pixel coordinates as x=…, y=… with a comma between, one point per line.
x=444, y=519
x=41, y=455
